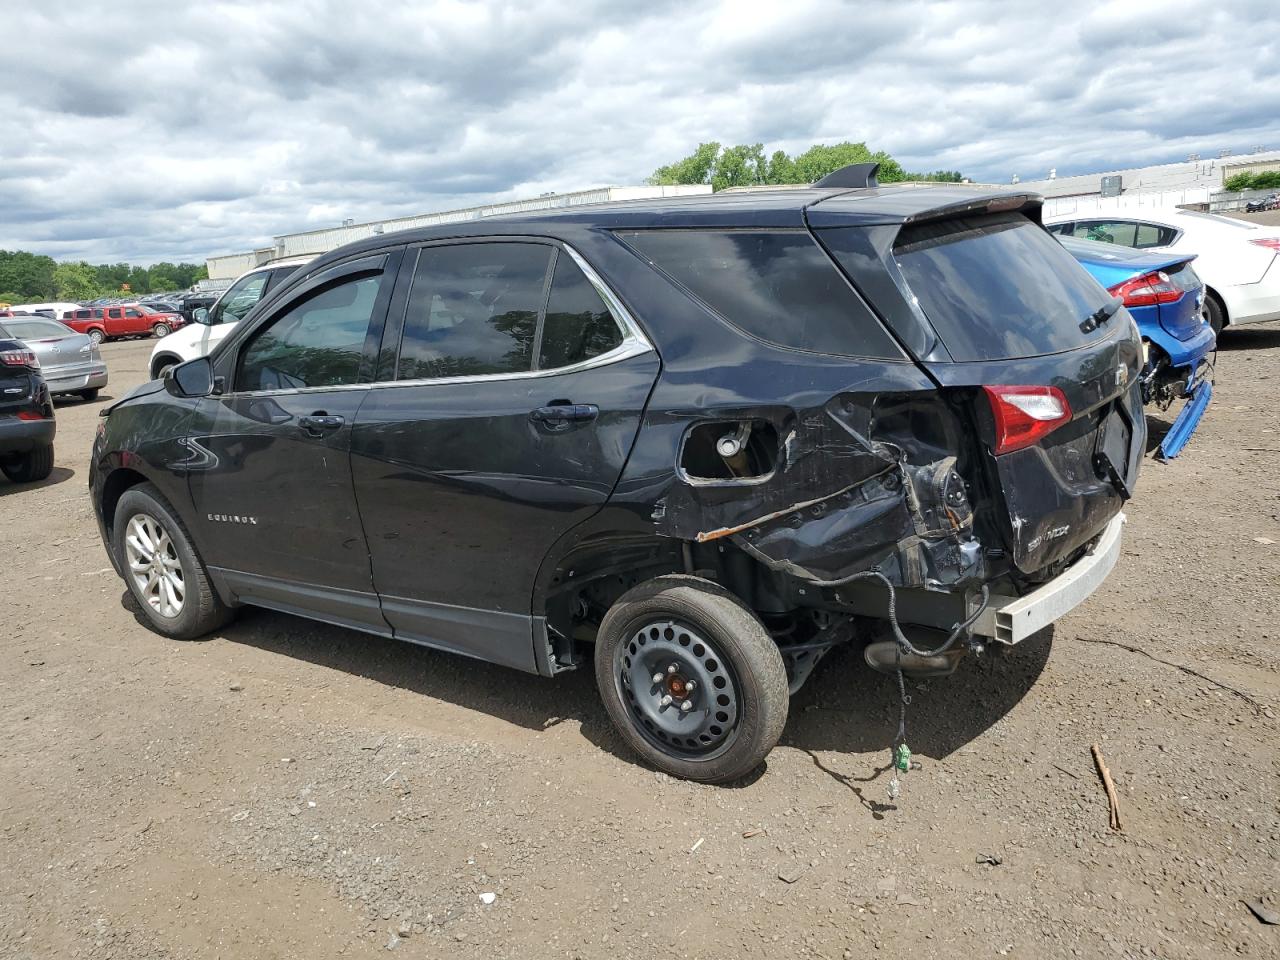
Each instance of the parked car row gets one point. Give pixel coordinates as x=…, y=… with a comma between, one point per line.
x=705, y=439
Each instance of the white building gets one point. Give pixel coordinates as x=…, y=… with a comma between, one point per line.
x=1194, y=181
x=315, y=242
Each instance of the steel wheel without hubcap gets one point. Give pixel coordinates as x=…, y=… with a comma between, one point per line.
x=154, y=565
x=678, y=689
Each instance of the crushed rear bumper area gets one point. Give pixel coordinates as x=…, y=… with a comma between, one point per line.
x=1012, y=619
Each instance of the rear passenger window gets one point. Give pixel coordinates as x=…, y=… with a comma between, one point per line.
x=473, y=309
x=778, y=286
x=579, y=325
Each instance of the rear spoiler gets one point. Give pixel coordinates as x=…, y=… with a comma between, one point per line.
x=911, y=203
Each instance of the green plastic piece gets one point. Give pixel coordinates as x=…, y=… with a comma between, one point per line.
x=903, y=758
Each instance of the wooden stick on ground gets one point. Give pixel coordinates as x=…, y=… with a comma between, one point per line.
x=1112, y=798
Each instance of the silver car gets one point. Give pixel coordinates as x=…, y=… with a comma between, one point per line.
x=69, y=361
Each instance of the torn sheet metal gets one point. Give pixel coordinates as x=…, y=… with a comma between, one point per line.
x=846, y=495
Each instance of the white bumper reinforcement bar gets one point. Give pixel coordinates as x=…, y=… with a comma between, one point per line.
x=1013, y=619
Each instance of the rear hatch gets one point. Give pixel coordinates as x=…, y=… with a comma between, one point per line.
x=1020, y=339
x=1163, y=283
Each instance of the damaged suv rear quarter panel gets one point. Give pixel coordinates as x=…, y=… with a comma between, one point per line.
x=848, y=491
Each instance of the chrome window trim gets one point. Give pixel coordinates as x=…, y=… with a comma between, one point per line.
x=634, y=344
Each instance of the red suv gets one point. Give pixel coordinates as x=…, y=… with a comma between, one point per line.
x=122, y=320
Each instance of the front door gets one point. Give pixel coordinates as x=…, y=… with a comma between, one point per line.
x=504, y=416
x=270, y=467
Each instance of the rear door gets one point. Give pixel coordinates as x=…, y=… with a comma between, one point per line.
x=512, y=386
x=1009, y=307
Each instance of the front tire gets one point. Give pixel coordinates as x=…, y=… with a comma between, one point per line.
x=35, y=464
x=160, y=330
x=162, y=568
x=679, y=639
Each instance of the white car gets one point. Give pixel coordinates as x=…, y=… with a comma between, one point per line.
x=209, y=328
x=1238, y=261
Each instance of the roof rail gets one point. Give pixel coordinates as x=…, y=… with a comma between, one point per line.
x=854, y=176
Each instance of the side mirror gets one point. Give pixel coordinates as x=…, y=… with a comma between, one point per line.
x=191, y=379
x=200, y=315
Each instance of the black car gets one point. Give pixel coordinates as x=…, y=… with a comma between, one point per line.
x=696, y=441
x=27, y=426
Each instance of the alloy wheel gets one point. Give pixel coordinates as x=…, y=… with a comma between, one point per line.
x=154, y=565
x=679, y=690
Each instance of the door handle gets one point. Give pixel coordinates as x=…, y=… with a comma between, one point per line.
x=565, y=413
x=318, y=423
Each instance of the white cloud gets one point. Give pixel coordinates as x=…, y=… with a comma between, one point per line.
x=148, y=130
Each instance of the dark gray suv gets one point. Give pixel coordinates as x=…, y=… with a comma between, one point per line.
x=693, y=442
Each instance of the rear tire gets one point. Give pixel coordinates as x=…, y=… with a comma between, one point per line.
x=31, y=466
x=160, y=330
x=739, y=698
x=90, y=395
x=1214, y=314
x=161, y=567
x=96, y=335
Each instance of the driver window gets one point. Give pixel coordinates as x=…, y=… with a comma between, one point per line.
x=316, y=343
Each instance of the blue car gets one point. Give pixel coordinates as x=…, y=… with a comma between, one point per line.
x=1166, y=298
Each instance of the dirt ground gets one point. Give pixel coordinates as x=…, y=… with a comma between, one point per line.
x=287, y=789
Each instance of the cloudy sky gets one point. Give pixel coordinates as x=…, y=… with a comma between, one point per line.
x=142, y=131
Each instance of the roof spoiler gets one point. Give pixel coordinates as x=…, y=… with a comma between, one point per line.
x=854, y=176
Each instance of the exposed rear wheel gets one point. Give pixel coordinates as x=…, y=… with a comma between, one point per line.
x=161, y=567
x=691, y=678
x=96, y=335
x=160, y=330
x=30, y=466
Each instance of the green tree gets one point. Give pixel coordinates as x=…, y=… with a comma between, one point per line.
x=745, y=165
x=1241, y=181
x=27, y=274
x=695, y=168
x=75, y=281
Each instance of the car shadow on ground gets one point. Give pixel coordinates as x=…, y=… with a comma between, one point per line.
x=74, y=400
x=845, y=707
x=1264, y=336
x=56, y=476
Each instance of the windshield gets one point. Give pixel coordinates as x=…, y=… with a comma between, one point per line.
x=999, y=287
x=239, y=299
x=36, y=329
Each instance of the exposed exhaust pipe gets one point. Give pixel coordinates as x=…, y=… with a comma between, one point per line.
x=883, y=656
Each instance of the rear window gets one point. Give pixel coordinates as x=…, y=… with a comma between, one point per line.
x=999, y=287
x=36, y=329
x=778, y=286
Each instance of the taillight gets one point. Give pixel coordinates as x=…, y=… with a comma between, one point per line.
x=30, y=415
x=1148, y=289
x=1271, y=243
x=19, y=358
x=1024, y=415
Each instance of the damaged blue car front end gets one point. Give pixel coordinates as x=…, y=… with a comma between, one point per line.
x=1166, y=299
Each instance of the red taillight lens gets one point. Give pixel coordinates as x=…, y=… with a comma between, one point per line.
x=1271, y=243
x=19, y=358
x=30, y=415
x=1023, y=415
x=1148, y=289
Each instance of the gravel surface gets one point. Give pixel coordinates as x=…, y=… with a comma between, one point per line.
x=288, y=789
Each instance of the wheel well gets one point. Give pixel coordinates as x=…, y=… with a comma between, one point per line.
x=1222, y=304
x=160, y=359
x=114, y=488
